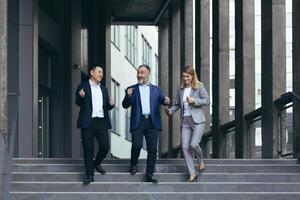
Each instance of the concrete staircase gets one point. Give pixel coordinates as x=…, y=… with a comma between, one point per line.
x=60, y=179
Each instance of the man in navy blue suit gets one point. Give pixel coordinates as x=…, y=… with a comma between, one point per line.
x=144, y=99
x=93, y=120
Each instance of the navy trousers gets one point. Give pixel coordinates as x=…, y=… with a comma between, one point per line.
x=151, y=135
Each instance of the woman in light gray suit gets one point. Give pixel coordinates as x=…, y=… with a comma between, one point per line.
x=190, y=98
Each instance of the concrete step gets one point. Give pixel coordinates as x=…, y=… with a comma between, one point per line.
x=223, y=179
x=155, y=195
x=149, y=187
x=163, y=177
x=163, y=168
x=159, y=161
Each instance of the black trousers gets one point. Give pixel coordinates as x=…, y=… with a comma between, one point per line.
x=151, y=135
x=98, y=130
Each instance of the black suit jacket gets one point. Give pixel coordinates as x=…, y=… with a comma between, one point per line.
x=86, y=107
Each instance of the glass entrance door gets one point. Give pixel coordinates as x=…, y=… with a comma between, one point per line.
x=43, y=127
x=42, y=141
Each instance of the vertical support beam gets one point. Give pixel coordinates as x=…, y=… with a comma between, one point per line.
x=107, y=48
x=244, y=72
x=220, y=86
x=3, y=88
x=170, y=74
x=75, y=73
x=164, y=78
x=202, y=48
x=176, y=51
x=176, y=67
x=12, y=58
x=99, y=38
x=273, y=71
x=296, y=75
x=187, y=27
x=28, y=67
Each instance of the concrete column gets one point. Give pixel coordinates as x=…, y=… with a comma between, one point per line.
x=244, y=72
x=187, y=27
x=220, y=75
x=273, y=56
x=296, y=75
x=28, y=82
x=3, y=87
x=202, y=48
x=176, y=68
x=164, y=78
x=99, y=47
x=99, y=36
x=75, y=73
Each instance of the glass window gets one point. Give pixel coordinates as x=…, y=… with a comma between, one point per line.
x=147, y=52
x=115, y=36
x=131, y=44
x=115, y=113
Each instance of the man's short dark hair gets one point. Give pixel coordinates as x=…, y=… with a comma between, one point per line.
x=93, y=67
x=146, y=66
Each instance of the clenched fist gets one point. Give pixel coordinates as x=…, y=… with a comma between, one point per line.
x=129, y=91
x=167, y=112
x=82, y=93
x=111, y=101
x=190, y=100
x=167, y=100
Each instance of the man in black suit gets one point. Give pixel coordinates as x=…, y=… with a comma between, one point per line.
x=93, y=120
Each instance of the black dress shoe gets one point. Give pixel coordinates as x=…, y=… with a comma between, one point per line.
x=133, y=169
x=99, y=169
x=151, y=179
x=88, y=179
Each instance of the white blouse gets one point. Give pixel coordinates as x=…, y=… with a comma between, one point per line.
x=186, y=106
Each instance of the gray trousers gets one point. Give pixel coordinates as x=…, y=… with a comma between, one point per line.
x=191, y=135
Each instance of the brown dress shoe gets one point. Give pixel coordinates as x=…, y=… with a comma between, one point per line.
x=201, y=166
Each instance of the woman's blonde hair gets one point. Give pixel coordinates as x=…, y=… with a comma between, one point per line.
x=196, y=84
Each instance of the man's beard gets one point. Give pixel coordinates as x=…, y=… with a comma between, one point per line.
x=142, y=80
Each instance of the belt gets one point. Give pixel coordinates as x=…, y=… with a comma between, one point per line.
x=97, y=118
x=146, y=116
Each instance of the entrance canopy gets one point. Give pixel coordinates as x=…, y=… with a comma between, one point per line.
x=137, y=12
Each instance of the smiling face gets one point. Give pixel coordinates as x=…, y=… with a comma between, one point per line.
x=96, y=74
x=187, y=79
x=143, y=75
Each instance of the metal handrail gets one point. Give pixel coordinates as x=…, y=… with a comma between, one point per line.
x=286, y=98
x=281, y=103
x=207, y=135
x=256, y=114
x=226, y=128
x=171, y=153
x=251, y=116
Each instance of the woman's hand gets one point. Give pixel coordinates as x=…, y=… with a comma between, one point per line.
x=190, y=100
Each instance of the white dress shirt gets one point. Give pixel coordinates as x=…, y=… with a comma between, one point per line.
x=97, y=100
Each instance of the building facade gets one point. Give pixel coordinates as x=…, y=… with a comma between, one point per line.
x=48, y=45
x=131, y=46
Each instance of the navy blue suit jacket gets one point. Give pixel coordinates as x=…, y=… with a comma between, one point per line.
x=86, y=106
x=156, y=98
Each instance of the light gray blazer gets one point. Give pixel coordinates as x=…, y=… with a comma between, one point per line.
x=201, y=99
